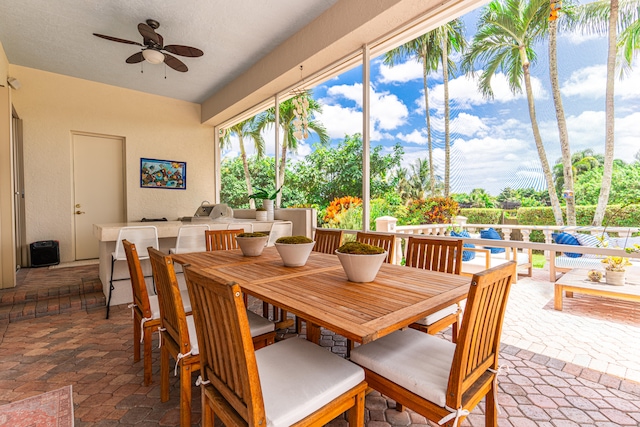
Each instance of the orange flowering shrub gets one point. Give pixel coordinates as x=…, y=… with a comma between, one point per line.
x=435, y=210
x=339, y=207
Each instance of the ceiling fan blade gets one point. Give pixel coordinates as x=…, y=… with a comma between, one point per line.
x=175, y=63
x=177, y=49
x=148, y=33
x=135, y=58
x=115, y=39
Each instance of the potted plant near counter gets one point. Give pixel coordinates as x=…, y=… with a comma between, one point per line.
x=252, y=244
x=361, y=261
x=268, y=200
x=261, y=214
x=294, y=250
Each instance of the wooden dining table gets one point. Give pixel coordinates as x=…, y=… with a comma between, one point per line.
x=320, y=293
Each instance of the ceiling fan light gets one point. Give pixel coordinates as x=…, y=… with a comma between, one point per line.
x=153, y=56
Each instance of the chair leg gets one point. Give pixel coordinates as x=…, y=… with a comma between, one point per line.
x=185, y=395
x=454, y=330
x=207, y=411
x=113, y=262
x=491, y=409
x=164, y=374
x=136, y=337
x=147, y=340
x=355, y=414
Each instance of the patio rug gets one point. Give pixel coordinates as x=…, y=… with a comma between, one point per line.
x=51, y=409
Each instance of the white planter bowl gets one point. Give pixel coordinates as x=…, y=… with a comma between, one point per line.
x=361, y=268
x=294, y=255
x=615, y=278
x=252, y=246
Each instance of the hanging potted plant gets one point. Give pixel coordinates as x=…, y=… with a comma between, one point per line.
x=615, y=271
x=268, y=200
x=252, y=244
x=361, y=261
x=294, y=250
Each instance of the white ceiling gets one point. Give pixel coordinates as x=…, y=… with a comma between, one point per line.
x=57, y=36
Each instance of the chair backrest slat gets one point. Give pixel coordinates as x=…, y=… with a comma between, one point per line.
x=138, y=285
x=226, y=349
x=172, y=314
x=479, y=337
x=222, y=240
x=434, y=254
x=385, y=241
x=327, y=240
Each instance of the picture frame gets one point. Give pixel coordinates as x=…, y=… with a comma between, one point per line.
x=167, y=174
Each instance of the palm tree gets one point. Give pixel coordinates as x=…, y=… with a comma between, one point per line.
x=560, y=117
x=244, y=129
x=581, y=161
x=451, y=37
x=287, y=112
x=611, y=16
x=431, y=50
x=426, y=50
x=506, y=34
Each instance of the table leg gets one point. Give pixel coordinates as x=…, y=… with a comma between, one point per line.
x=557, y=297
x=313, y=333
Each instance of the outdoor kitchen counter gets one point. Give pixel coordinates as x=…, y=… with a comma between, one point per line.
x=167, y=233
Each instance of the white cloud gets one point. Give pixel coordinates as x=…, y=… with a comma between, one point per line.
x=400, y=73
x=576, y=37
x=590, y=82
x=463, y=92
x=464, y=124
x=415, y=137
x=388, y=112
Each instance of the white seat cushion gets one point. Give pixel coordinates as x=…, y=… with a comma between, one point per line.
x=434, y=317
x=258, y=325
x=299, y=377
x=193, y=338
x=412, y=359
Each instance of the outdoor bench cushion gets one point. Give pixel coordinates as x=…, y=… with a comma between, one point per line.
x=567, y=239
x=494, y=235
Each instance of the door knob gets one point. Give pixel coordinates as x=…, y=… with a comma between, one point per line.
x=78, y=205
x=79, y=212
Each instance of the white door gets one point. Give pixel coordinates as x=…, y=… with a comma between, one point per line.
x=98, y=178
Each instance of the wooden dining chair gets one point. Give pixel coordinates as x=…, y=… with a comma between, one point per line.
x=327, y=240
x=146, y=312
x=385, y=241
x=222, y=240
x=177, y=334
x=440, y=380
x=290, y=383
x=440, y=255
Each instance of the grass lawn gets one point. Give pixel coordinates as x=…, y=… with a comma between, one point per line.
x=539, y=260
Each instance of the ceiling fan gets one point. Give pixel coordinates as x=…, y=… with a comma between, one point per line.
x=153, y=45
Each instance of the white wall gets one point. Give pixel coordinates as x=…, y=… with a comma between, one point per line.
x=52, y=106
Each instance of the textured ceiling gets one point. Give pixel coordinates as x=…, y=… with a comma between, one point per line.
x=56, y=36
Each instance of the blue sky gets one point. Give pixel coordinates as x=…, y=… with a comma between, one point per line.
x=492, y=140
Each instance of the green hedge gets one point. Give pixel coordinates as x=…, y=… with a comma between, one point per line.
x=482, y=216
x=615, y=216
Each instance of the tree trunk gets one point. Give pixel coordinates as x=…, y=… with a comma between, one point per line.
x=553, y=196
x=283, y=165
x=562, y=124
x=247, y=176
x=607, y=173
x=447, y=137
x=432, y=177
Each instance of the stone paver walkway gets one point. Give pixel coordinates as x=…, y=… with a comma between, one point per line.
x=594, y=332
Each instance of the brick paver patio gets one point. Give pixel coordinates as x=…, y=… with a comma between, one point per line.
x=94, y=355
